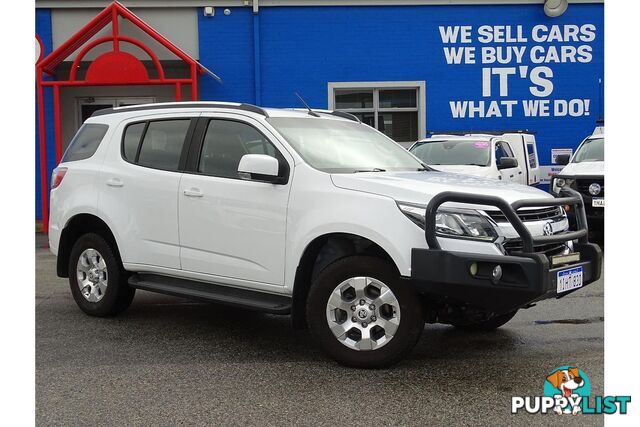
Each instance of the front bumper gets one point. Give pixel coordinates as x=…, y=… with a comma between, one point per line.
x=446, y=276
x=527, y=276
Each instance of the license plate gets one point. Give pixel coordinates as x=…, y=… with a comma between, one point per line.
x=569, y=279
x=597, y=203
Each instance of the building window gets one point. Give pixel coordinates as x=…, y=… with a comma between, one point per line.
x=395, y=108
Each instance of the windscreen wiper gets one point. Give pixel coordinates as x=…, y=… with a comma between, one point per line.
x=370, y=170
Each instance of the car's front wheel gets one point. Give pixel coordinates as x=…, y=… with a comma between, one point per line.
x=361, y=313
x=97, y=280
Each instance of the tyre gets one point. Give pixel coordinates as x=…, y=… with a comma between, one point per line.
x=488, y=325
x=96, y=277
x=361, y=313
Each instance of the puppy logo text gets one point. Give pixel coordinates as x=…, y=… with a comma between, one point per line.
x=567, y=390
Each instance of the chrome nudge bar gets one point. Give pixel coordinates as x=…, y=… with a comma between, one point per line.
x=569, y=197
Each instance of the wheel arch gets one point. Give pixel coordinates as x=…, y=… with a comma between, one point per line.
x=322, y=251
x=78, y=225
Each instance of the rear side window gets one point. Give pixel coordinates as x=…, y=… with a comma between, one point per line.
x=156, y=144
x=531, y=152
x=85, y=143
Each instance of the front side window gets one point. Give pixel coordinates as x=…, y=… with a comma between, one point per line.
x=393, y=111
x=85, y=143
x=340, y=146
x=592, y=150
x=225, y=143
x=453, y=152
x=502, y=150
x=161, y=144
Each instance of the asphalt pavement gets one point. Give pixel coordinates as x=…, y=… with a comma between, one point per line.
x=170, y=361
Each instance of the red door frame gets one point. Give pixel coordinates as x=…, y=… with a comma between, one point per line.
x=101, y=73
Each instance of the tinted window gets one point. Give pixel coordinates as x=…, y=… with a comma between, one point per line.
x=85, y=143
x=224, y=145
x=131, y=141
x=162, y=144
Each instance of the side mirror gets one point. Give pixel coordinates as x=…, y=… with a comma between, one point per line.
x=563, y=159
x=260, y=167
x=507, y=163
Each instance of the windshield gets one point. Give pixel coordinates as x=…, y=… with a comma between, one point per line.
x=337, y=146
x=592, y=150
x=453, y=152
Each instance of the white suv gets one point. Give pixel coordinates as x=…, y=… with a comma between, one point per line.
x=303, y=212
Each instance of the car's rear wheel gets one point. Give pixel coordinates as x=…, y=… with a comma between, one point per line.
x=96, y=277
x=361, y=313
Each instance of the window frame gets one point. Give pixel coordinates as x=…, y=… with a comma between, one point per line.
x=197, y=144
x=185, y=145
x=376, y=87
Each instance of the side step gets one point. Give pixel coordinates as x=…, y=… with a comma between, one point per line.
x=252, y=300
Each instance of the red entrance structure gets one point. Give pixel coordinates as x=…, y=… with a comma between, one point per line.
x=114, y=67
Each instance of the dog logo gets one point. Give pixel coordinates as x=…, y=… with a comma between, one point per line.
x=569, y=383
x=547, y=229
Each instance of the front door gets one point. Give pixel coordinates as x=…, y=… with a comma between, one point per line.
x=229, y=227
x=503, y=149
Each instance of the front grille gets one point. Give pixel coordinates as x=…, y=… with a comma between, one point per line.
x=515, y=245
x=582, y=185
x=529, y=214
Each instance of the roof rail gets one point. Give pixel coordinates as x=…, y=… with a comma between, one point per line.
x=487, y=132
x=344, y=115
x=167, y=105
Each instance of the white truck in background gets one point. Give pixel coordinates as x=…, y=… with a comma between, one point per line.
x=511, y=156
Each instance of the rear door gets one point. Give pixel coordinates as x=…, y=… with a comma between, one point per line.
x=231, y=228
x=139, y=188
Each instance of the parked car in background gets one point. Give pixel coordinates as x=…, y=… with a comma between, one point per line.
x=310, y=213
x=584, y=172
x=508, y=157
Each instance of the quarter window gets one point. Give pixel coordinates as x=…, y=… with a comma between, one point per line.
x=225, y=143
x=131, y=141
x=85, y=143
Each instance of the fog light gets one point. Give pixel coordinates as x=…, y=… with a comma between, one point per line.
x=496, y=275
x=473, y=269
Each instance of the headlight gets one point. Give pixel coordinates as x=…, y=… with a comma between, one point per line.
x=460, y=223
x=558, y=183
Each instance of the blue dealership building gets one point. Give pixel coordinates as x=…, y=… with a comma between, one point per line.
x=407, y=67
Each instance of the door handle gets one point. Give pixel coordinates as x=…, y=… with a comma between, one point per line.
x=192, y=192
x=115, y=182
